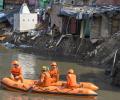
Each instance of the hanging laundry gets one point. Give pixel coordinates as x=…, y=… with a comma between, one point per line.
x=79, y=16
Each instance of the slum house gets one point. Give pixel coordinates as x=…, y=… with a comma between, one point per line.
x=94, y=22
x=89, y=23
x=84, y=2
x=102, y=21
x=64, y=20
x=108, y=2
x=76, y=2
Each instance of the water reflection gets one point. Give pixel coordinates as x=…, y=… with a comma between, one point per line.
x=19, y=96
x=28, y=63
x=31, y=68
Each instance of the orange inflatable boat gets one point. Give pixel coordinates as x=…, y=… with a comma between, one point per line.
x=84, y=90
x=11, y=85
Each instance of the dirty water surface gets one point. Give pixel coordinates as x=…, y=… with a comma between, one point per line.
x=31, y=65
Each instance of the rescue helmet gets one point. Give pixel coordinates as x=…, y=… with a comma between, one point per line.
x=44, y=68
x=71, y=71
x=54, y=64
x=15, y=62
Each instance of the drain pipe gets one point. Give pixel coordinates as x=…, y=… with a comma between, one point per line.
x=114, y=61
x=61, y=38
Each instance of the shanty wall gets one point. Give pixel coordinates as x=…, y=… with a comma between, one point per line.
x=104, y=26
x=95, y=27
x=115, y=23
x=108, y=2
x=55, y=19
x=83, y=2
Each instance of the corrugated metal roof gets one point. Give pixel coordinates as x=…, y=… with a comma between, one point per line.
x=90, y=10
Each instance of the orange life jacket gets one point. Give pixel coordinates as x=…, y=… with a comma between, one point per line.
x=46, y=79
x=16, y=71
x=54, y=73
x=71, y=80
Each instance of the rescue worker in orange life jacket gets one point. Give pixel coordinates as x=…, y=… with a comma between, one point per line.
x=54, y=72
x=45, y=78
x=16, y=71
x=71, y=79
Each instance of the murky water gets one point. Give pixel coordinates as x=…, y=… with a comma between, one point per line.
x=31, y=67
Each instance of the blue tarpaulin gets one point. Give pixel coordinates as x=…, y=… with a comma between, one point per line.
x=2, y=14
x=80, y=12
x=68, y=12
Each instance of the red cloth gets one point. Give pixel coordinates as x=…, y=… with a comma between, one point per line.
x=73, y=25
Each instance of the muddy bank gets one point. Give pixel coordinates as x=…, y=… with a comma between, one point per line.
x=100, y=52
x=64, y=45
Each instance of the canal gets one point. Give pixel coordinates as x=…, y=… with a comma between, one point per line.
x=31, y=65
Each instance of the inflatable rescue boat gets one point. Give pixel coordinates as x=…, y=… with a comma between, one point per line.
x=86, y=88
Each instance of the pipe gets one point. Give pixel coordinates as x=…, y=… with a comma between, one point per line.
x=114, y=61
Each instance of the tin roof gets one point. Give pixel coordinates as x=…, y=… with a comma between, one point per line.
x=90, y=10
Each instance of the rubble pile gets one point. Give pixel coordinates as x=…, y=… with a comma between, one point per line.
x=106, y=50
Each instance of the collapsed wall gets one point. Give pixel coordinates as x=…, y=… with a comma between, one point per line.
x=105, y=54
x=105, y=51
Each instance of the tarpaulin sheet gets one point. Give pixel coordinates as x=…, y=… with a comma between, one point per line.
x=68, y=12
x=2, y=14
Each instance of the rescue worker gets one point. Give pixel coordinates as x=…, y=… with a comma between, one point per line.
x=16, y=71
x=71, y=79
x=45, y=78
x=54, y=73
